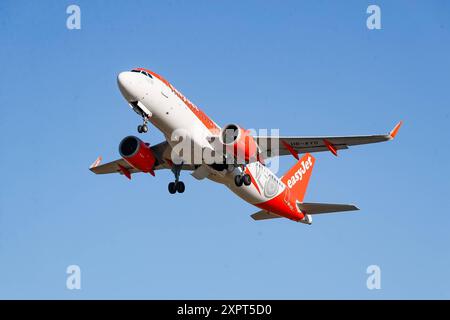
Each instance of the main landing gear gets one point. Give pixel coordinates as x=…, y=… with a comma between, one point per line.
x=177, y=186
x=242, y=179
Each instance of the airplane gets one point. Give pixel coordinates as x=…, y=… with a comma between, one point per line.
x=239, y=160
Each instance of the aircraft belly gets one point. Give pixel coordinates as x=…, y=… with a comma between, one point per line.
x=251, y=194
x=248, y=193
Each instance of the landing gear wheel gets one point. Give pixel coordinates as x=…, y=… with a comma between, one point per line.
x=238, y=181
x=180, y=186
x=142, y=128
x=172, y=188
x=177, y=185
x=247, y=179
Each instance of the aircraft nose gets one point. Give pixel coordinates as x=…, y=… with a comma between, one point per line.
x=128, y=83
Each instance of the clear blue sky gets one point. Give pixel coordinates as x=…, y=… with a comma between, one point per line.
x=308, y=68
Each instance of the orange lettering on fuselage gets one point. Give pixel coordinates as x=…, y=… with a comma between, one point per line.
x=207, y=122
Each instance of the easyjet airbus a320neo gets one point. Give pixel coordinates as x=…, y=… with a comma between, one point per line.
x=230, y=155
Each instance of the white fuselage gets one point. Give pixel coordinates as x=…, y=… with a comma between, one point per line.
x=169, y=111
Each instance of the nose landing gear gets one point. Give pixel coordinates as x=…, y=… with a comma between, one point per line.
x=143, y=128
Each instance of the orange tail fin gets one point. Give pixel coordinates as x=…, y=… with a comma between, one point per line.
x=297, y=178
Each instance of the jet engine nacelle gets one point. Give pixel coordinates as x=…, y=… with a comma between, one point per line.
x=239, y=143
x=137, y=153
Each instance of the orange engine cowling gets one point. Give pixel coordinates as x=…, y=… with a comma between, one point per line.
x=137, y=153
x=239, y=143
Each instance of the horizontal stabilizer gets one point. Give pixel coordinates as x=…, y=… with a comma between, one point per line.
x=319, y=208
x=263, y=215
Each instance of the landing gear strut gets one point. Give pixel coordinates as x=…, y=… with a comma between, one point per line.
x=177, y=186
x=143, y=128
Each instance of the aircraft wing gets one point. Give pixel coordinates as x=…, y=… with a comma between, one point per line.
x=111, y=167
x=279, y=146
x=114, y=167
x=161, y=152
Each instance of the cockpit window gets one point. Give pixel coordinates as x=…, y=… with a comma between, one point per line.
x=143, y=72
x=147, y=74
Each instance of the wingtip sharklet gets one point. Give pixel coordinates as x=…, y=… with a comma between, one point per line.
x=394, y=131
x=96, y=162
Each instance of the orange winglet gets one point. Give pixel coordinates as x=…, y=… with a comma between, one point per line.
x=394, y=131
x=125, y=171
x=330, y=147
x=290, y=149
x=96, y=162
